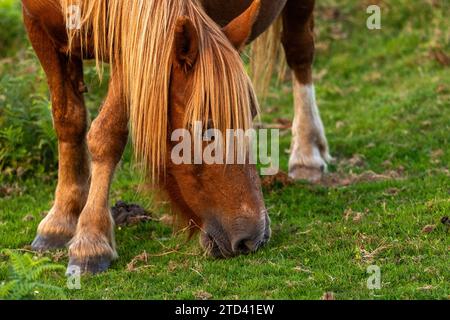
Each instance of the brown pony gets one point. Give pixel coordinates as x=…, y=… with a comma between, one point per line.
x=172, y=62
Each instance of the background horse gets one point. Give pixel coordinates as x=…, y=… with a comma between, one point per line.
x=292, y=23
x=172, y=64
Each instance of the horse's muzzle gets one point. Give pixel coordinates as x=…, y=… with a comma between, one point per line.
x=244, y=237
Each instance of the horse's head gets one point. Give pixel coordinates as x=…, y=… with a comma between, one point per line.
x=224, y=200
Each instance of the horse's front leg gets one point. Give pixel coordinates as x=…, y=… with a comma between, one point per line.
x=309, y=150
x=65, y=79
x=93, y=247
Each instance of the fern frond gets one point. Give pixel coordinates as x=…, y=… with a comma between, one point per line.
x=6, y=289
x=25, y=272
x=39, y=270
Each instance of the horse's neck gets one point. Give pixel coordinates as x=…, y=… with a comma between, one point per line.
x=224, y=11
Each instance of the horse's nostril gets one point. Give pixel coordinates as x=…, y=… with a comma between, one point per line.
x=244, y=246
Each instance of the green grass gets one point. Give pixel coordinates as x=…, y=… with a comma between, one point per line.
x=382, y=96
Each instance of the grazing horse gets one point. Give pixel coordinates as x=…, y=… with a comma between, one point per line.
x=172, y=63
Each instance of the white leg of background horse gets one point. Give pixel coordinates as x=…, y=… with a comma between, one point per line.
x=309, y=151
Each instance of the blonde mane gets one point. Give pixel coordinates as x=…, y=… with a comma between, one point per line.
x=138, y=37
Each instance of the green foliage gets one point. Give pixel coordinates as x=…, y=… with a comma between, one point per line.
x=27, y=139
x=12, y=32
x=25, y=277
x=28, y=144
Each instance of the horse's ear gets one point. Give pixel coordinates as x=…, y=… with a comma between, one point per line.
x=186, y=43
x=239, y=30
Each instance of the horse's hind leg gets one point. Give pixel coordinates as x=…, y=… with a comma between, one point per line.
x=309, y=153
x=93, y=247
x=65, y=77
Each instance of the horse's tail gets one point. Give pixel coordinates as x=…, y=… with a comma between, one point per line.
x=266, y=57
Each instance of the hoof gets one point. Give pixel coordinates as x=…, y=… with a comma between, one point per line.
x=310, y=174
x=46, y=243
x=93, y=265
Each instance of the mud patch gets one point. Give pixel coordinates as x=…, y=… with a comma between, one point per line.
x=129, y=214
x=357, y=160
x=340, y=179
x=278, y=123
x=334, y=179
x=345, y=175
x=278, y=181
